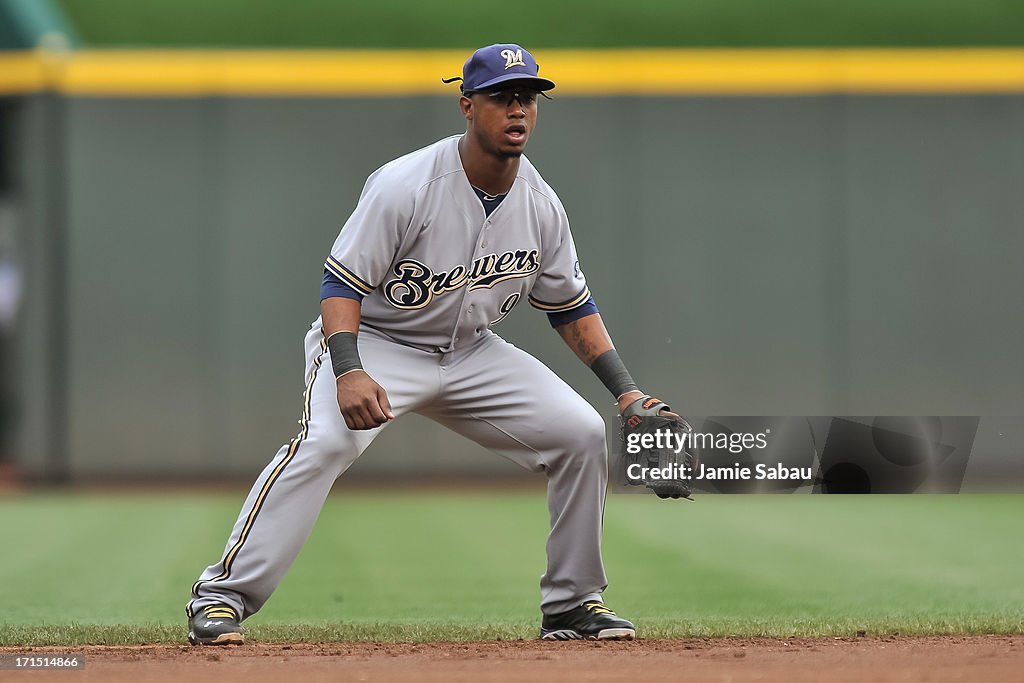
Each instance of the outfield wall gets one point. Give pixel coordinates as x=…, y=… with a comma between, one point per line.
x=794, y=255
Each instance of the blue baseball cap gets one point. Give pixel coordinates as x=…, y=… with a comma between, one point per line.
x=493, y=65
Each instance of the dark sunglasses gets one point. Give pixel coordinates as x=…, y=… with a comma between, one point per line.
x=509, y=95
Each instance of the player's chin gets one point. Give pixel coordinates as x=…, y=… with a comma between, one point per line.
x=515, y=149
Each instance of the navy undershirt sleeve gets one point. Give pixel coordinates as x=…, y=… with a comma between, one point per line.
x=333, y=286
x=588, y=307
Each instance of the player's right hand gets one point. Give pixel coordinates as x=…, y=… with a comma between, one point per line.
x=364, y=403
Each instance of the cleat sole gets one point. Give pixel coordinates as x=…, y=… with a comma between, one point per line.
x=617, y=634
x=222, y=639
x=604, y=634
x=562, y=634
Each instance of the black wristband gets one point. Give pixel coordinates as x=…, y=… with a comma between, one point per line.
x=613, y=373
x=344, y=353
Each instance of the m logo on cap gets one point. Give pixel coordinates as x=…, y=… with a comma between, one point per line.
x=513, y=58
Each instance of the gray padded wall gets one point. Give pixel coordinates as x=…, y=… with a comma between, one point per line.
x=38, y=187
x=819, y=255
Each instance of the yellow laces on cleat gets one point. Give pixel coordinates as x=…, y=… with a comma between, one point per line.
x=219, y=612
x=597, y=608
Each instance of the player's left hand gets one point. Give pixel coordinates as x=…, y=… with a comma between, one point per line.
x=645, y=415
x=631, y=397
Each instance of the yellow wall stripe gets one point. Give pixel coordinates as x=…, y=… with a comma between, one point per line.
x=21, y=72
x=184, y=73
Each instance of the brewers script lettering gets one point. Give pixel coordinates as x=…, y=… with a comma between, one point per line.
x=417, y=285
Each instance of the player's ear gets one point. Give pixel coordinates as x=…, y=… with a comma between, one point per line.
x=466, y=107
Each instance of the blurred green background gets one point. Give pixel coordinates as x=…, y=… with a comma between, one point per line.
x=823, y=254
x=541, y=23
x=831, y=253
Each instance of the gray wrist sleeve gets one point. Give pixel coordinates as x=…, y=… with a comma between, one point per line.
x=613, y=373
x=344, y=353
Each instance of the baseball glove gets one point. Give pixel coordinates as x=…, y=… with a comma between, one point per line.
x=658, y=452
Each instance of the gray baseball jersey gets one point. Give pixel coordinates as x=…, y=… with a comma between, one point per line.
x=436, y=270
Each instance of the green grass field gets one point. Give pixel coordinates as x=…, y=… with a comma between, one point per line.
x=540, y=23
x=115, y=568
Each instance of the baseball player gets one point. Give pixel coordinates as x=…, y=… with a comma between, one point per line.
x=443, y=243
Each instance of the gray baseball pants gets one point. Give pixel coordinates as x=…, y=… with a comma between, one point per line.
x=489, y=391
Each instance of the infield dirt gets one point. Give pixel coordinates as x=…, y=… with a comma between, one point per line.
x=894, y=658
